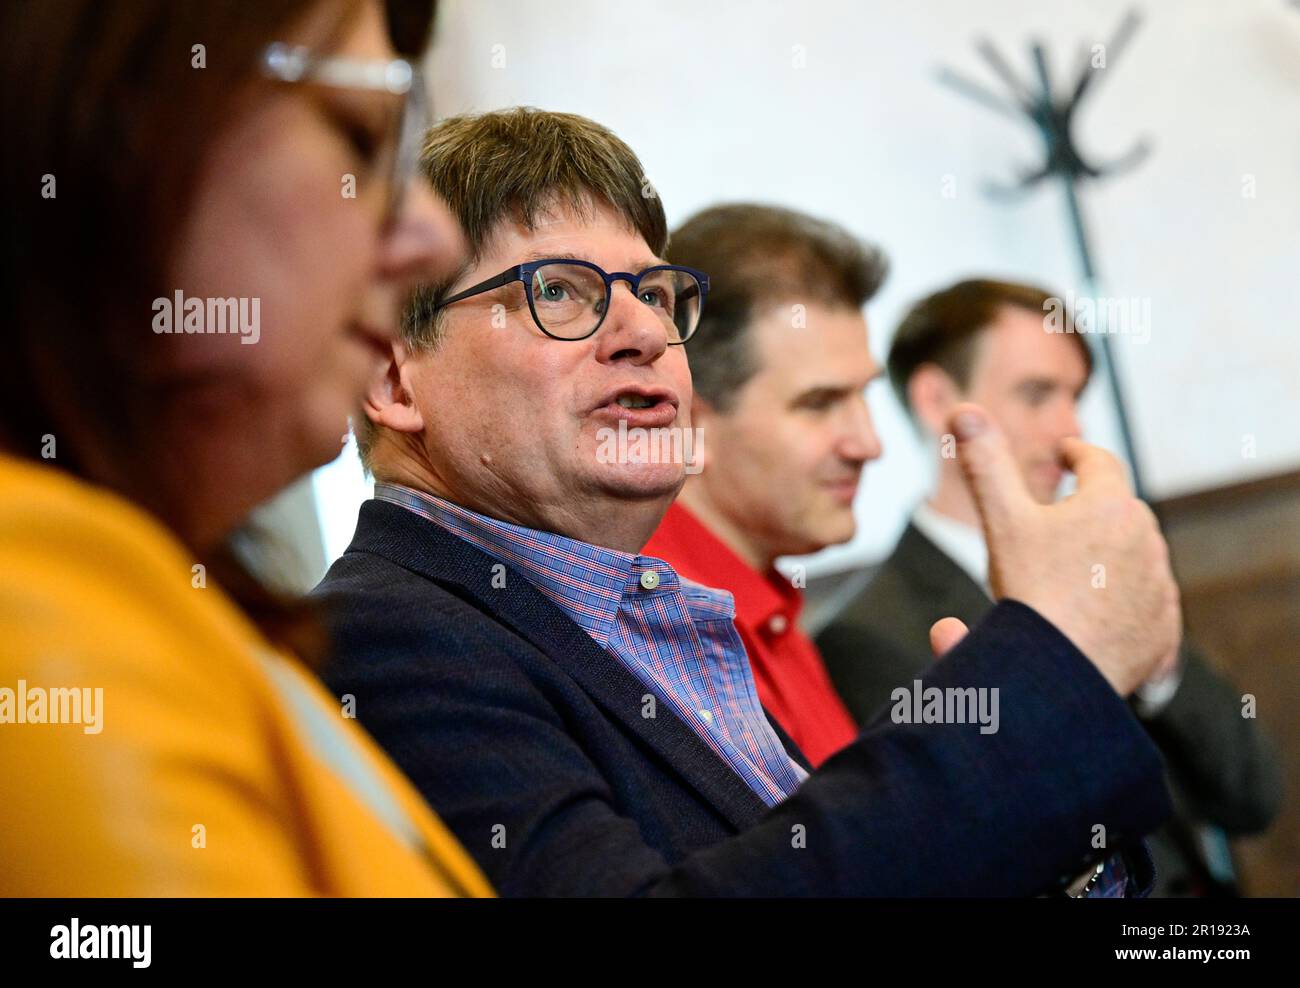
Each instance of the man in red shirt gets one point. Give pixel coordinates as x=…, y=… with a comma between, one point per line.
x=780, y=364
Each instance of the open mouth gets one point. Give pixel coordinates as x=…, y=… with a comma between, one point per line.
x=636, y=401
x=641, y=407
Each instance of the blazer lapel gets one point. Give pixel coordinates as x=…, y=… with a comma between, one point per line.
x=787, y=742
x=424, y=547
x=942, y=581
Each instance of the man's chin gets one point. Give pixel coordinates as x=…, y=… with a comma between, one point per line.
x=834, y=526
x=642, y=482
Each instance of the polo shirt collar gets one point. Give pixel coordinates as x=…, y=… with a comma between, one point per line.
x=588, y=582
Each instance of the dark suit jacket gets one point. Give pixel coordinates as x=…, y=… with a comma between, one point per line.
x=530, y=741
x=1220, y=767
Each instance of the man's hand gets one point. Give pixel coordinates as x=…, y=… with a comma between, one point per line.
x=945, y=634
x=1094, y=564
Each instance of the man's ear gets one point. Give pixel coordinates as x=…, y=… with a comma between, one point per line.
x=932, y=394
x=390, y=401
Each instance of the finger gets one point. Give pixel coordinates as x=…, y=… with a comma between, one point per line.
x=990, y=470
x=1167, y=666
x=945, y=634
x=1093, y=466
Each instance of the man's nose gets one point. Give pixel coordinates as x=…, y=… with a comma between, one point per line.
x=1068, y=424
x=860, y=443
x=631, y=331
x=424, y=242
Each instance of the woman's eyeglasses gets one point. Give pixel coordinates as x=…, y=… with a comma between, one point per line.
x=397, y=76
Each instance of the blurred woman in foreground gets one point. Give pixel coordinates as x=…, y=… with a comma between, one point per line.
x=212, y=229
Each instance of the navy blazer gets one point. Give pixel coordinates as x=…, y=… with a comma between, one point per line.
x=531, y=743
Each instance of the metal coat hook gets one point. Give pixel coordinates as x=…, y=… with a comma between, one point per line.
x=1053, y=115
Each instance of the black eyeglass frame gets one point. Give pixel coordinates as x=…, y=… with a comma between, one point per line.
x=523, y=273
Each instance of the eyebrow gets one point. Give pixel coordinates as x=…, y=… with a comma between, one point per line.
x=1040, y=384
x=838, y=390
x=539, y=254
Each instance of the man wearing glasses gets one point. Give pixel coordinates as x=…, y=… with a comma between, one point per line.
x=584, y=719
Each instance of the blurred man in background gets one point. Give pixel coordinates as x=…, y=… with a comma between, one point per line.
x=988, y=342
x=780, y=369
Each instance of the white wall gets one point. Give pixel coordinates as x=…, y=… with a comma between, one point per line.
x=832, y=107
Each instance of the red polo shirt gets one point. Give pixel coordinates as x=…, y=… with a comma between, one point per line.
x=792, y=680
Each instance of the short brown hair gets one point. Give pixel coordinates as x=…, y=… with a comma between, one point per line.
x=517, y=164
x=943, y=328
x=757, y=255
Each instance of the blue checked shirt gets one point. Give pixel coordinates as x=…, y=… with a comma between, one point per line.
x=677, y=637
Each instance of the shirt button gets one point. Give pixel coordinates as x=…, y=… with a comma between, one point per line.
x=649, y=579
x=778, y=624
x=707, y=715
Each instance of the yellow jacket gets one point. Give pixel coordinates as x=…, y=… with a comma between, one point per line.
x=201, y=763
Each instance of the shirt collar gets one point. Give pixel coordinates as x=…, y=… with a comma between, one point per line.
x=588, y=582
x=699, y=555
x=961, y=543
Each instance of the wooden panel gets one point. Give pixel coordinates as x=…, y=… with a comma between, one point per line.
x=1237, y=556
